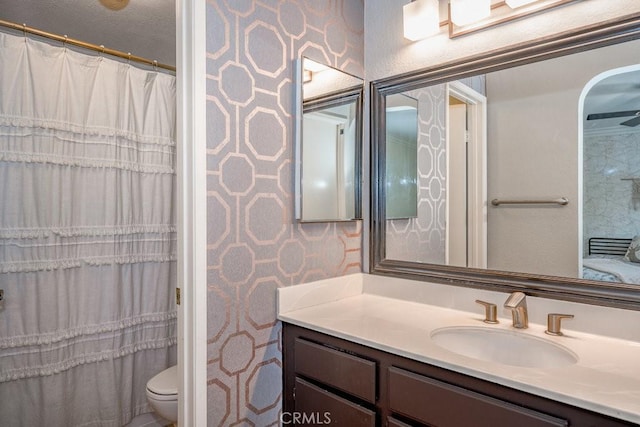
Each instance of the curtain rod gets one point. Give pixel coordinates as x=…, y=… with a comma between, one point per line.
x=85, y=45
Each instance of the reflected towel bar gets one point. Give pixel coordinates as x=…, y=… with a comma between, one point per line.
x=563, y=201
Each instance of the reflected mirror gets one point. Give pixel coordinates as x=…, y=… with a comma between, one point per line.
x=531, y=172
x=401, y=166
x=328, y=143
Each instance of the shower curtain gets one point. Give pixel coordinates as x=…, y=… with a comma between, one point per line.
x=87, y=235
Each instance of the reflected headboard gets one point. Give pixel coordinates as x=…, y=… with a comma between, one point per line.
x=608, y=246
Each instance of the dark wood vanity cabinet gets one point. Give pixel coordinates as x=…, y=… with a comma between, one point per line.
x=330, y=381
x=330, y=386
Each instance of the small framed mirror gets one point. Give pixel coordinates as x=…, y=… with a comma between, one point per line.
x=401, y=178
x=328, y=145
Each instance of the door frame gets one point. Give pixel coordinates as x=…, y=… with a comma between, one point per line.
x=192, y=211
x=476, y=173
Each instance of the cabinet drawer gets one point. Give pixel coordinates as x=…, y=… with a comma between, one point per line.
x=348, y=373
x=392, y=422
x=317, y=406
x=436, y=403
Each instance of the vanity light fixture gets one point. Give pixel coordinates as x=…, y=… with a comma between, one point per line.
x=517, y=3
x=310, y=68
x=421, y=19
x=465, y=12
x=314, y=67
x=307, y=76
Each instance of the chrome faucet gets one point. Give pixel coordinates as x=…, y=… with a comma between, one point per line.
x=517, y=304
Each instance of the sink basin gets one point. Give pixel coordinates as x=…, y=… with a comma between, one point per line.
x=503, y=346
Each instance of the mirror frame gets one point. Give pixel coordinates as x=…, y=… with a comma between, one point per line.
x=564, y=288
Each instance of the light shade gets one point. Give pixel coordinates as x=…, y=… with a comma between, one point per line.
x=114, y=4
x=464, y=12
x=421, y=19
x=517, y=3
x=313, y=66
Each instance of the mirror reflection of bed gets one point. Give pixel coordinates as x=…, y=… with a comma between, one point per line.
x=612, y=260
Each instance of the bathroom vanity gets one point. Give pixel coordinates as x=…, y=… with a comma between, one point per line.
x=357, y=385
x=360, y=351
x=408, y=344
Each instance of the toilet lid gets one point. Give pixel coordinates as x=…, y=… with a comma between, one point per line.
x=166, y=382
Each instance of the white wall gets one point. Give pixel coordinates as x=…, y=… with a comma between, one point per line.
x=533, y=154
x=609, y=207
x=319, y=185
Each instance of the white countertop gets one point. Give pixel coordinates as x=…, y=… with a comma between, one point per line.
x=605, y=379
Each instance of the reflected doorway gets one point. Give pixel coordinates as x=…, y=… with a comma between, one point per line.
x=609, y=162
x=466, y=202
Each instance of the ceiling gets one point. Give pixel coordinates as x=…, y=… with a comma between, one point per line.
x=620, y=92
x=144, y=27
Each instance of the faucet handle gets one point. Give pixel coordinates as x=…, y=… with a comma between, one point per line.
x=490, y=312
x=554, y=323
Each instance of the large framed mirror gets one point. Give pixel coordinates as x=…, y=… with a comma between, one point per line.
x=527, y=168
x=328, y=143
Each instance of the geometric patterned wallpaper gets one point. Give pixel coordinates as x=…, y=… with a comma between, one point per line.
x=254, y=242
x=422, y=239
x=610, y=206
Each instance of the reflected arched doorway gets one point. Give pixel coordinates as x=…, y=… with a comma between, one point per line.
x=609, y=159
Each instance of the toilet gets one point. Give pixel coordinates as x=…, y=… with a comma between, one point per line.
x=162, y=393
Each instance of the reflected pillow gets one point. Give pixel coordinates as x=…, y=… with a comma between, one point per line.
x=633, y=253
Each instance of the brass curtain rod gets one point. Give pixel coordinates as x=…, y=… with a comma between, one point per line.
x=85, y=45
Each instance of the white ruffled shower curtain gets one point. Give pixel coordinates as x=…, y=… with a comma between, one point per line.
x=87, y=235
